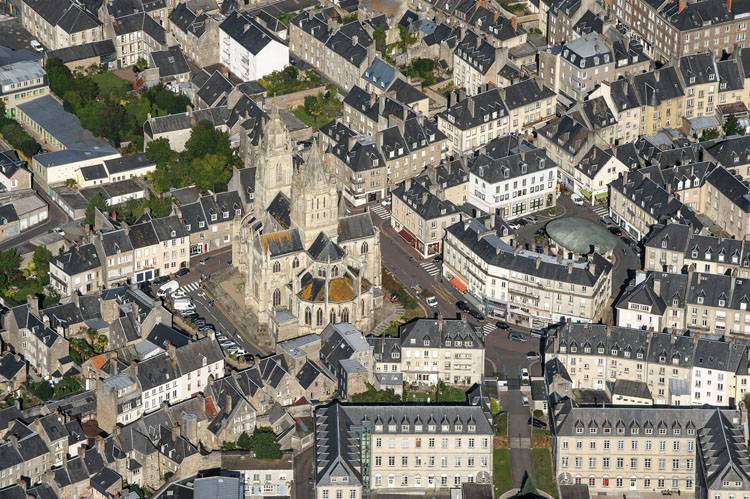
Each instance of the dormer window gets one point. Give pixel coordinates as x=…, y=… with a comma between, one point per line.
x=600, y=350
x=722, y=303
x=213, y=217
x=378, y=427
x=664, y=243
x=694, y=254
x=700, y=300
x=472, y=428
x=404, y=427
x=173, y=234
x=444, y=427
x=431, y=428
x=226, y=214
x=237, y=212
x=614, y=352
x=426, y=343
x=447, y=343
x=459, y=427
x=187, y=226
x=392, y=427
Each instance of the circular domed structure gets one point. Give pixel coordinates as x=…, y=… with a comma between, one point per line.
x=580, y=235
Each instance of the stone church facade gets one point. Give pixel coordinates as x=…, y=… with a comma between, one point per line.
x=305, y=262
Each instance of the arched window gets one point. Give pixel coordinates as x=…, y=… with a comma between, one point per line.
x=308, y=316
x=276, y=298
x=333, y=317
x=365, y=248
x=295, y=263
x=276, y=267
x=345, y=315
x=335, y=271
x=319, y=318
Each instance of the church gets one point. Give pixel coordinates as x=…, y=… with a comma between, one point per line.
x=305, y=262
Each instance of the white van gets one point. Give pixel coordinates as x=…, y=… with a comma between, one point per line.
x=168, y=288
x=183, y=304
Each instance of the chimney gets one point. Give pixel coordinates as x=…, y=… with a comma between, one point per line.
x=514, y=22
x=470, y=106
x=729, y=5
x=13, y=439
x=355, y=39
x=381, y=105
x=33, y=301
x=100, y=444
x=440, y=322
x=538, y=262
x=176, y=433
x=134, y=368
x=227, y=403
x=82, y=452
x=657, y=287
x=171, y=350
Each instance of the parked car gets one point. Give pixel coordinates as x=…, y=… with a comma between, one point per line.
x=462, y=306
x=517, y=337
x=200, y=321
x=179, y=293
x=514, y=226
x=438, y=258
x=502, y=325
x=524, y=401
x=531, y=219
x=183, y=271
x=615, y=230
x=577, y=200
x=59, y=230
x=161, y=280
x=167, y=289
x=477, y=315
x=525, y=375
x=36, y=45
x=431, y=302
x=532, y=355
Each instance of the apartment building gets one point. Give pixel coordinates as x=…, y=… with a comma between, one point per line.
x=420, y=214
x=76, y=270
x=566, y=140
x=661, y=94
x=529, y=103
x=209, y=221
x=20, y=82
x=371, y=166
x=672, y=29
x=698, y=301
x=512, y=182
x=701, y=77
x=524, y=287
x=342, y=54
x=475, y=63
x=597, y=169
x=29, y=334
x=677, y=248
x=677, y=368
x=725, y=200
x=196, y=33
x=447, y=350
x=578, y=66
x=361, y=449
x=657, y=449
x=621, y=102
x=136, y=36
x=639, y=200
x=248, y=49
x=474, y=121
x=60, y=23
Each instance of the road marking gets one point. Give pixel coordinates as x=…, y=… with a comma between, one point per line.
x=380, y=211
x=602, y=210
x=431, y=268
x=488, y=328
x=189, y=288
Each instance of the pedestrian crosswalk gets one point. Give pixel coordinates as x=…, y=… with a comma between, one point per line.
x=430, y=267
x=602, y=210
x=189, y=288
x=488, y=328
x=380, y=211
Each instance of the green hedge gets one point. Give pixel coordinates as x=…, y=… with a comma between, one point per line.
x=18, y=137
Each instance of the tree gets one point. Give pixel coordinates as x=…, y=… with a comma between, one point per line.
x=71, y=184
x=312, y=105
x=210, y=172
x=39, y=264
x=96, y=202
x=205, y=139
x=379, y=35
x=710, y=134
x=60, y=78
x=160, y=152
x=10, y=267
x=244, y=442
x=141, y=64
x=291, y=73
x=733, y=127
x=376, y=396
x=263, y=443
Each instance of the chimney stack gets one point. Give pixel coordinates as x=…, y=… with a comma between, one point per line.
x=681, y=6
x=227, y=403
x=514, y=22
x=729, y=5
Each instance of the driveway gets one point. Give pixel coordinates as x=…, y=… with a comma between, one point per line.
x=303, y=475
x=519, y=435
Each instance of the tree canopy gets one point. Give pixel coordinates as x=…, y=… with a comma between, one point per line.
x=733, y=127
x=96, y=202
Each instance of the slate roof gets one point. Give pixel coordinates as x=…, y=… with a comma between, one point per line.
x=170, y=62
x=184, y=121
x=10, y=366
x=489, y=247
x=476, y=110
x=355, y=227
x=248, y=32
x=476, y=51
x=498, y=168
x=214, y=91
x=448, y=333
x=141, y=21
x=427, y=205
x=188, y=21
x=524, y=93
x=338, y=428
x=67, y=14
x=78, y=259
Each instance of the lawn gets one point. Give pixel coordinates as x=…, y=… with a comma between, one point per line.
x=542, y=471
x=500, y=421
x=290, y=80
x=501, y=471
x=395, y=288
x=447, y=393
x=319, y=109
x=413, y=395
x=109, y=84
